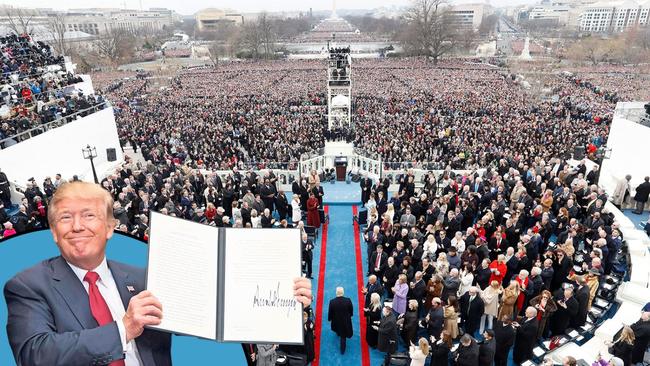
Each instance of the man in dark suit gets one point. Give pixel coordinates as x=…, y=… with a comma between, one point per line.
x=468, y=351
x=282, y=205
x=267, y=194
x=526, y=337
x=435, y=319
x=418, y=290
x=340, y=316
x=387, y=334
x=377, y=262
x=373, y=287
x=366, y=186
x=307, y=254
x=504, y=334
x=487, y=349
x=582, y=297
x=567, y=308
x=472, y=308
x=50, y=322
x=641, y=195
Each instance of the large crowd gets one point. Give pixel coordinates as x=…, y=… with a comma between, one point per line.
x=409, y=112
x=261, y=115
x=36, y=89
x=500, y=261
x=460, y=113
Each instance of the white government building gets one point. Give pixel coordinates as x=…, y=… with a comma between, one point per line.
x=614, y=16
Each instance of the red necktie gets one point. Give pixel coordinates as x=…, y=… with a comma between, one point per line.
x=98, y=306
x=378, y=259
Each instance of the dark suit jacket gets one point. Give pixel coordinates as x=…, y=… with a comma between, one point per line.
x=486, y=352
x=340, y=315
x=436, y=322
x=504, y=336
x=49, y=320
x=642, y=192
x=471, y=312
x=582, y=296
x=525, y=341
x=377, y=288
x=468, y=356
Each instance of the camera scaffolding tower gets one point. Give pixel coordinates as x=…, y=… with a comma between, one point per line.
x=339, y=87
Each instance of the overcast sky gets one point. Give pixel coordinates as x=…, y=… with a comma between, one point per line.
x=191, y=6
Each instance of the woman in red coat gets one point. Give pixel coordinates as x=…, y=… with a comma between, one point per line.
x=498, y=268
x=313, y=218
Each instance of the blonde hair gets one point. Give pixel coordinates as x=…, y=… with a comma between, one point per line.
x=80, y=191
x=413, y=304
x=627, y=335
x=424, y=345
x=375, y=301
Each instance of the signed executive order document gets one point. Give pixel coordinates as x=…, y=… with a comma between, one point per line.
x=225, y=284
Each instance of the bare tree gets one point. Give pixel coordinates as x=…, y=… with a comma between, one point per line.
x=215, y=50
x=252, y=38
x=267, y=34
x=592, y=49
x=56, y=25
x=468, y=39
x=20, y=20
x=114, y=44
x=431, y=30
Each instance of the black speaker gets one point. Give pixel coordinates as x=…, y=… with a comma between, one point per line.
x=579, y=152
x=647, y=108
x=110, y=154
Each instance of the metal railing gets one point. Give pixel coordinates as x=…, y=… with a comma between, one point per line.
x=27, y=134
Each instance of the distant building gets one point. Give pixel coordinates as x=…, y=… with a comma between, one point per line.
x=207, y=19
x=469, y=15
x=95, y=22
x=553, y=13
x=99, y=21
x=614, y=16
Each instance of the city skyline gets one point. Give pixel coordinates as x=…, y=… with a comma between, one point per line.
x=246, y=6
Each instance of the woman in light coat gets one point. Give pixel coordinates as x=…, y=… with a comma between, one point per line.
x=296, y=214
x=419, y=353
x=466, y=279
x=490, y=298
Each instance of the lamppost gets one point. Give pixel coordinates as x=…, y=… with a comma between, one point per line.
x=91, y=153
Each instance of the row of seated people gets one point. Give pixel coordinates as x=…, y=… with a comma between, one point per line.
x=618, y=337
x=22, y=56
x=35, y=88
x=23, y=118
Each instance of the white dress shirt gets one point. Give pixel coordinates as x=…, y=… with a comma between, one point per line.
x=111, y=295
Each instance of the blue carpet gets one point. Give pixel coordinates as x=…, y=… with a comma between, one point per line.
x=340, y=271
x=638, y=220
x=342, y=193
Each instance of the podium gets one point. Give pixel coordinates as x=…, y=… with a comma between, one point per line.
x=341, y=164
